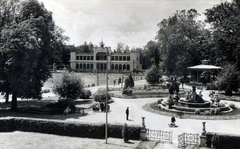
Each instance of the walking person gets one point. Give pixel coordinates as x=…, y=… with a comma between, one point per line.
x=127, y=113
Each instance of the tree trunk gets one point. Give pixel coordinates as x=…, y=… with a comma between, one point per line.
x=14, y=102
x=7, y=96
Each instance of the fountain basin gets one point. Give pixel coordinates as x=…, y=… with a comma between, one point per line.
x=185, y=103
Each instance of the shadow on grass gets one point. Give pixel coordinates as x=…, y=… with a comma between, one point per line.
x=9, y=113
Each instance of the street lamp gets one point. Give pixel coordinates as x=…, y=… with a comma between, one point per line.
x=106, y=101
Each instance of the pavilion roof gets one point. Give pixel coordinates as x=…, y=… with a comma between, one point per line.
x=204, y=67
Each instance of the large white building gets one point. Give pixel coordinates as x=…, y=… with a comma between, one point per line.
x=97, y=61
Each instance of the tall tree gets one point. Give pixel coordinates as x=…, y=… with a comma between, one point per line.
x=153, y=52
x=120, y=47
x=27, y=44
x=225, y=26
x=179, y=41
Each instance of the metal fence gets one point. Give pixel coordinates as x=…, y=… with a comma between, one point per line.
x=159, y=136
x=186, y=139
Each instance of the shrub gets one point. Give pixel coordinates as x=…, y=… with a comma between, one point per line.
x=93, y=84
x=212, y=111
x=206, y=112
x=232, y=105
x=69, y=85
x=197, y=111
x=215, y=141
x=153, y=75
x=127, y=91
x=125, y=133
x=129, y=82
x=62, y=104
x=217, y=111
x=100, y=95
x=85, y=94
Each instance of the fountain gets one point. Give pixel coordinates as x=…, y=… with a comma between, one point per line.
x=191, y=102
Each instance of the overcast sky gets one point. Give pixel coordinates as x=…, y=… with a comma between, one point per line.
x=132, y=22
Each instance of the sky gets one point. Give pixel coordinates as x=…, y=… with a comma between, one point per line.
x=132, y=22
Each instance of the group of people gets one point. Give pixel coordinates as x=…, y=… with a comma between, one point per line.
x=117, y=81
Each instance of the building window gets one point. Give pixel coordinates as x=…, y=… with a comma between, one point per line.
x=87, y=66
x=80, y=57
x=112, y=58
x=128, y=58
x=124, y=58
x=88, y=57
x=124, y=67
x=84, y=57
x=112, y=67
x=91, y=66
x=80, y=66
x=120, y=58
x=128, y=67
x=77, y=58
x=91, y=57
x=101, y=56
x=116, y=58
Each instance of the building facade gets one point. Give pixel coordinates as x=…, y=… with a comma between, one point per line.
x=97, y=61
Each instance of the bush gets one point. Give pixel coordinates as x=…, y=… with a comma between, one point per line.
x=212, y=111
x=100, y=96
x=93, y=85
x=197, y=111
x=217, y=111
x=125, y=133
x=215, y=141
x=206, y=112
x=62, y=104
x=85, y=94
x=153, y=75
x=129, y=82
x=127, y=91
x=68, y=85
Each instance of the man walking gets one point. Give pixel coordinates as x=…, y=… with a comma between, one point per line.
x=127, y=113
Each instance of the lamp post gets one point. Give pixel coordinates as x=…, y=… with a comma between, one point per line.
x=106, y=101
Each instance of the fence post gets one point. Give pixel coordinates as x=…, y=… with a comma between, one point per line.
x=203, y=138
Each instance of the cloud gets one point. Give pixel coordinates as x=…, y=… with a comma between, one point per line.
x=132, y=22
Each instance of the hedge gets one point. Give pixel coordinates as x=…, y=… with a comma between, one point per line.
x=86, y=130
x=226, y=141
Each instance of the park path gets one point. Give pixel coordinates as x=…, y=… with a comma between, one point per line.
x=155, y=121
x=159, y=122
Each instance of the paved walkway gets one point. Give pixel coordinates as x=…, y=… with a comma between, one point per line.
x=155, y=121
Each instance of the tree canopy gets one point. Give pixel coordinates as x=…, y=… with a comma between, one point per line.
x=179, y=41
x=27, y=44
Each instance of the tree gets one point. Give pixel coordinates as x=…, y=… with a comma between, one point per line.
x=27, y=45
x=120, y=47
x=179, y=39
x=225, y=41
x=68, y=86
x=153, y=75
x=153, y=52
x=228, y=79
x=129, y=82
